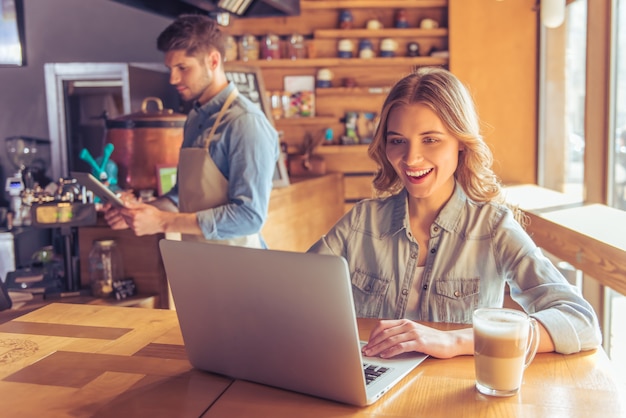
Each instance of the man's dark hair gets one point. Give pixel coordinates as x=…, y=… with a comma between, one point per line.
x=193, y=34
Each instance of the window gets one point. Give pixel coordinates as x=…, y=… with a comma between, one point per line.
x=615, y=302
x=582, y=136
x=618, y=178
x=562, y=108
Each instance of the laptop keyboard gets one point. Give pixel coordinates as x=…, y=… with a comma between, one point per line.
x=373, y=372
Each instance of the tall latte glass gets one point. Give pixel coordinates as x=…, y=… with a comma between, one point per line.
x=505, y=342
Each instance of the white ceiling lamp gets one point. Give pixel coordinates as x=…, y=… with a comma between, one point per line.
x=552, y=13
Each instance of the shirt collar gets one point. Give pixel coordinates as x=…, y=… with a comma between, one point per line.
x=215, y=104
x=448, y=216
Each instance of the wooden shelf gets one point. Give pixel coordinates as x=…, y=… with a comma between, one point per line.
x=380, y=33
x=319, y=23
x=369, y=4
x=343, y=91
x=316, y=120
x=348, y=62
x=341, y=149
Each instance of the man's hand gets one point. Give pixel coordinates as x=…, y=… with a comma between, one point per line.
x=144, y=219
x=113, y=215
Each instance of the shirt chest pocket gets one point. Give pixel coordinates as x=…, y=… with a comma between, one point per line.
x=368, y=292
x=456, y=299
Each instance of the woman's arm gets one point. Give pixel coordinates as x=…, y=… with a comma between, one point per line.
x=396, y=336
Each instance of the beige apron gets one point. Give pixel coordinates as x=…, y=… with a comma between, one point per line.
x=202, y=185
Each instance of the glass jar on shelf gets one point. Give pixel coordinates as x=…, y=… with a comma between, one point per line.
x=105, y=267
x=276, y=101
x=248, y=48
x=270, y=47
x=295, y=47
x=230, y=53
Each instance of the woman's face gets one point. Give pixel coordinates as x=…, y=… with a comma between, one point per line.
x=422, y=151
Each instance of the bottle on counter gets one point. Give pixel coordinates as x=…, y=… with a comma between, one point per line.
x=105, y=267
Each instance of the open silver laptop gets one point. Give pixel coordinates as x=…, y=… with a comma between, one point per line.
x=283, y=319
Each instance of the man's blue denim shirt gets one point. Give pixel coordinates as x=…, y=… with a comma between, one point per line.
x=245, y=150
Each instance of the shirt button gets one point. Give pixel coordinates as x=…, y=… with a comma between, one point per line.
x=405, y=292
x=457, y=294
x=436, y=229
x=433, y=250
x=425, y=287
x=413, y=255
x=368, y=288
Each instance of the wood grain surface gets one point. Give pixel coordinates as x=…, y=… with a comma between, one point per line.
x=67, y=360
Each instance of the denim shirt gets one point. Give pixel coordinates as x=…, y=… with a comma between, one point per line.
x=245, y=150
x=473, y=251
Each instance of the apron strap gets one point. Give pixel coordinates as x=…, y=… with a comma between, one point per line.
x=229, y=100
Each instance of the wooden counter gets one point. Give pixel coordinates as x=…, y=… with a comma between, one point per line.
x=298, y=215
x=301, y=213
x=67, y=360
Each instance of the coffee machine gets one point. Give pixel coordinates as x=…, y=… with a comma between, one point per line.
x=30, y=158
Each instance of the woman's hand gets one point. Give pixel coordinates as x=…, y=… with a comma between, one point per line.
x=396, y=336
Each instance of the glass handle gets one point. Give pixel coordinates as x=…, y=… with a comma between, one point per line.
x=533, y=341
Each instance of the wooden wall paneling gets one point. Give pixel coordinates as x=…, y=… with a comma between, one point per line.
x=358, y=186
x=552, y=123
x=299, y=215
x=349, y=159
x=493, y=50
x=379, y=76
x=327, y=105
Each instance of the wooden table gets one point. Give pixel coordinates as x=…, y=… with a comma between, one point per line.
x=84, y=360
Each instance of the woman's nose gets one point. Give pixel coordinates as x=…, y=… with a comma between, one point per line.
x=413, y=154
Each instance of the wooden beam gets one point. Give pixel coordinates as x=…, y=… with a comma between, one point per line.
x=604, y=262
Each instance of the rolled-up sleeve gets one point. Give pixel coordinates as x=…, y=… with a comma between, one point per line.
x=248, y=160
x=538, y=286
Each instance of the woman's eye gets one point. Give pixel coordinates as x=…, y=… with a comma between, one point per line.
x=394, y=140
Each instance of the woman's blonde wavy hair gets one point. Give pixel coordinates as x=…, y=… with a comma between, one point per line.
x=445, y=95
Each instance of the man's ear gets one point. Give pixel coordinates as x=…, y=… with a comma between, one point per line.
x=212, y=60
